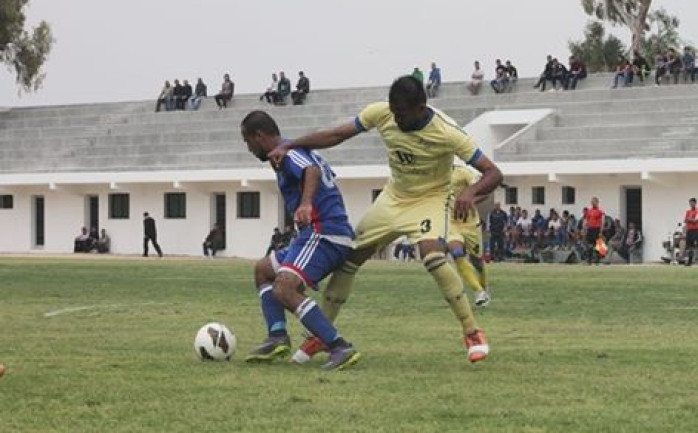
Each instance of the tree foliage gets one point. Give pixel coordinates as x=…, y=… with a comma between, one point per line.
x=23, y=51
x=665, y=33
x=599, y=52
x=630, y=13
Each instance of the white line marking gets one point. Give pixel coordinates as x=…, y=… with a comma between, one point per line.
x=97, y=307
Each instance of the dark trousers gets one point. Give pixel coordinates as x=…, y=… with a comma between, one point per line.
x=592, y=236
x=691, y=245
x=298, y=97
x=154, y=240
x=497, y=245
x=222, y=100
x=209, y=249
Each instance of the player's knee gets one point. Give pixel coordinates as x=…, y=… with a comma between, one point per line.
x=434, y=260
x=263, y=272
x=457, y=252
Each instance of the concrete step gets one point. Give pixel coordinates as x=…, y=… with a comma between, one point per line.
x=619, y=130
x=556, y=150
x=679, y=117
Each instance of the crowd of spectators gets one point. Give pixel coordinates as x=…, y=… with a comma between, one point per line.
x=669, y=67
x=517, y=234
x=92, y=241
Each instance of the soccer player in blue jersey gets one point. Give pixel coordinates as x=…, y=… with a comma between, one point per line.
x=323, y=243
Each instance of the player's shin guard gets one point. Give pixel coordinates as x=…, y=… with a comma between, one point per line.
x=338, y=290
x=452, y=289
x=273, y=311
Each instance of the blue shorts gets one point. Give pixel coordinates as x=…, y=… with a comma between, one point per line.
x=310, y=257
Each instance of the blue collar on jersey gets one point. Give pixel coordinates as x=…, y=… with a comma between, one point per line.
x=423, y=124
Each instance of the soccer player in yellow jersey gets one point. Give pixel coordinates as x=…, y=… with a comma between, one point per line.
x=421, y=143
x=465, y=239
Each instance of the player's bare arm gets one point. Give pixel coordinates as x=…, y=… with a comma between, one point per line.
x=316, y=140
x=490, y=180
x=311, y=179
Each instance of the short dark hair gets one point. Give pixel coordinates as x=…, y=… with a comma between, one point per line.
x=692, y=199
x=407, y=90
x=260, y=121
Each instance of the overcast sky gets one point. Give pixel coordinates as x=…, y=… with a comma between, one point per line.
x=115, y=50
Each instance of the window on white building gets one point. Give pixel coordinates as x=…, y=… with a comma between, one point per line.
x=175, y=205
x=6, y=201
x=119, y=205
x=538, y=195
x=568, y=195
x=248, y=204
x=511, y=195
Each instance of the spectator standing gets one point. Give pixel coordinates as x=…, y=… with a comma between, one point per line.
x=496, y=224
x=689, y=65
x=524, y=227
x=641, y=67
x=150, y=234
x=302, y=89
x=284, y=89
x=104, y=243
x=661, y=67
x=691, y=225
x=594, y=220
x=186, y=94
x=272, y=91
x=199, y=95
x=227, y=92
x=434, y=81
x=418, y=74
x=166, y=97
x=476, y=79
x=213, y=241
x=674, y=64
x=577, y=71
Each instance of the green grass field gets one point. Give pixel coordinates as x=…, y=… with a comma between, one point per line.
x=106, y=346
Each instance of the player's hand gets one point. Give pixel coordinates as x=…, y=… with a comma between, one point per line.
x=464, y=204
x=304, y=214
x=276, y=156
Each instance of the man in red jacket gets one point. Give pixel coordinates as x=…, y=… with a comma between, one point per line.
x=594, y=222
x=691, y=221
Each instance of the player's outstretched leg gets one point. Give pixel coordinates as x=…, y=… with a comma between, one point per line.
x=470, y=274
x=452, y=289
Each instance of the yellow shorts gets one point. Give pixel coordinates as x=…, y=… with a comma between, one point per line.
x=422, y=218
x=469, y=234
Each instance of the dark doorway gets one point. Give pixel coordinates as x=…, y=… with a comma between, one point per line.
x=219, y=212
x=93, y=212
x=38, y=220
x=633, y=206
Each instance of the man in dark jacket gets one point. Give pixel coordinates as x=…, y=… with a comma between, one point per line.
x=213, y=241
x=496, y=225
x=150, y=234
x=302, y=89
x=199, y=94
x=284, y=89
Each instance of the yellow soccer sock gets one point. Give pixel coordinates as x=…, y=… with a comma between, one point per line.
x=469, y=274
x=452, y=288
x=338, y=290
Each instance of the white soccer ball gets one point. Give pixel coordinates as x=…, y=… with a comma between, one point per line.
x=215, y=342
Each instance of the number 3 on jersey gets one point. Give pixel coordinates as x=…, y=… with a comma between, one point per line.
x=425, y=226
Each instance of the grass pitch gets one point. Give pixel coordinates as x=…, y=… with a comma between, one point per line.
x=106, y=346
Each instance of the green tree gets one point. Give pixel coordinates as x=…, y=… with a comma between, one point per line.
x=665, y=33
x=599, y=52
x=630, y=13
x=20, y=50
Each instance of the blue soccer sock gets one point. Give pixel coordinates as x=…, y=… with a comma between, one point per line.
x=273, y=311
x=315, y=321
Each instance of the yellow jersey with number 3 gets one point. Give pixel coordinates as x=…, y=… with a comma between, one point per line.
x=420, y=161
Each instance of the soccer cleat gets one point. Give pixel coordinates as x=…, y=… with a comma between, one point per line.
x=482, y=297
x=477, y=346
x=342, y=357
x=310, y=347
x=270, y=349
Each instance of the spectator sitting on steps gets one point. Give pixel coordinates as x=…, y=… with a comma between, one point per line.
x=213, y=241
x=104, y=243
x=83, y=242
x=302, y=89
x=271, y=93
x=434, y=81
x=166, y=97
x=199, y=95
x=476, y=79
x=226, y=94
